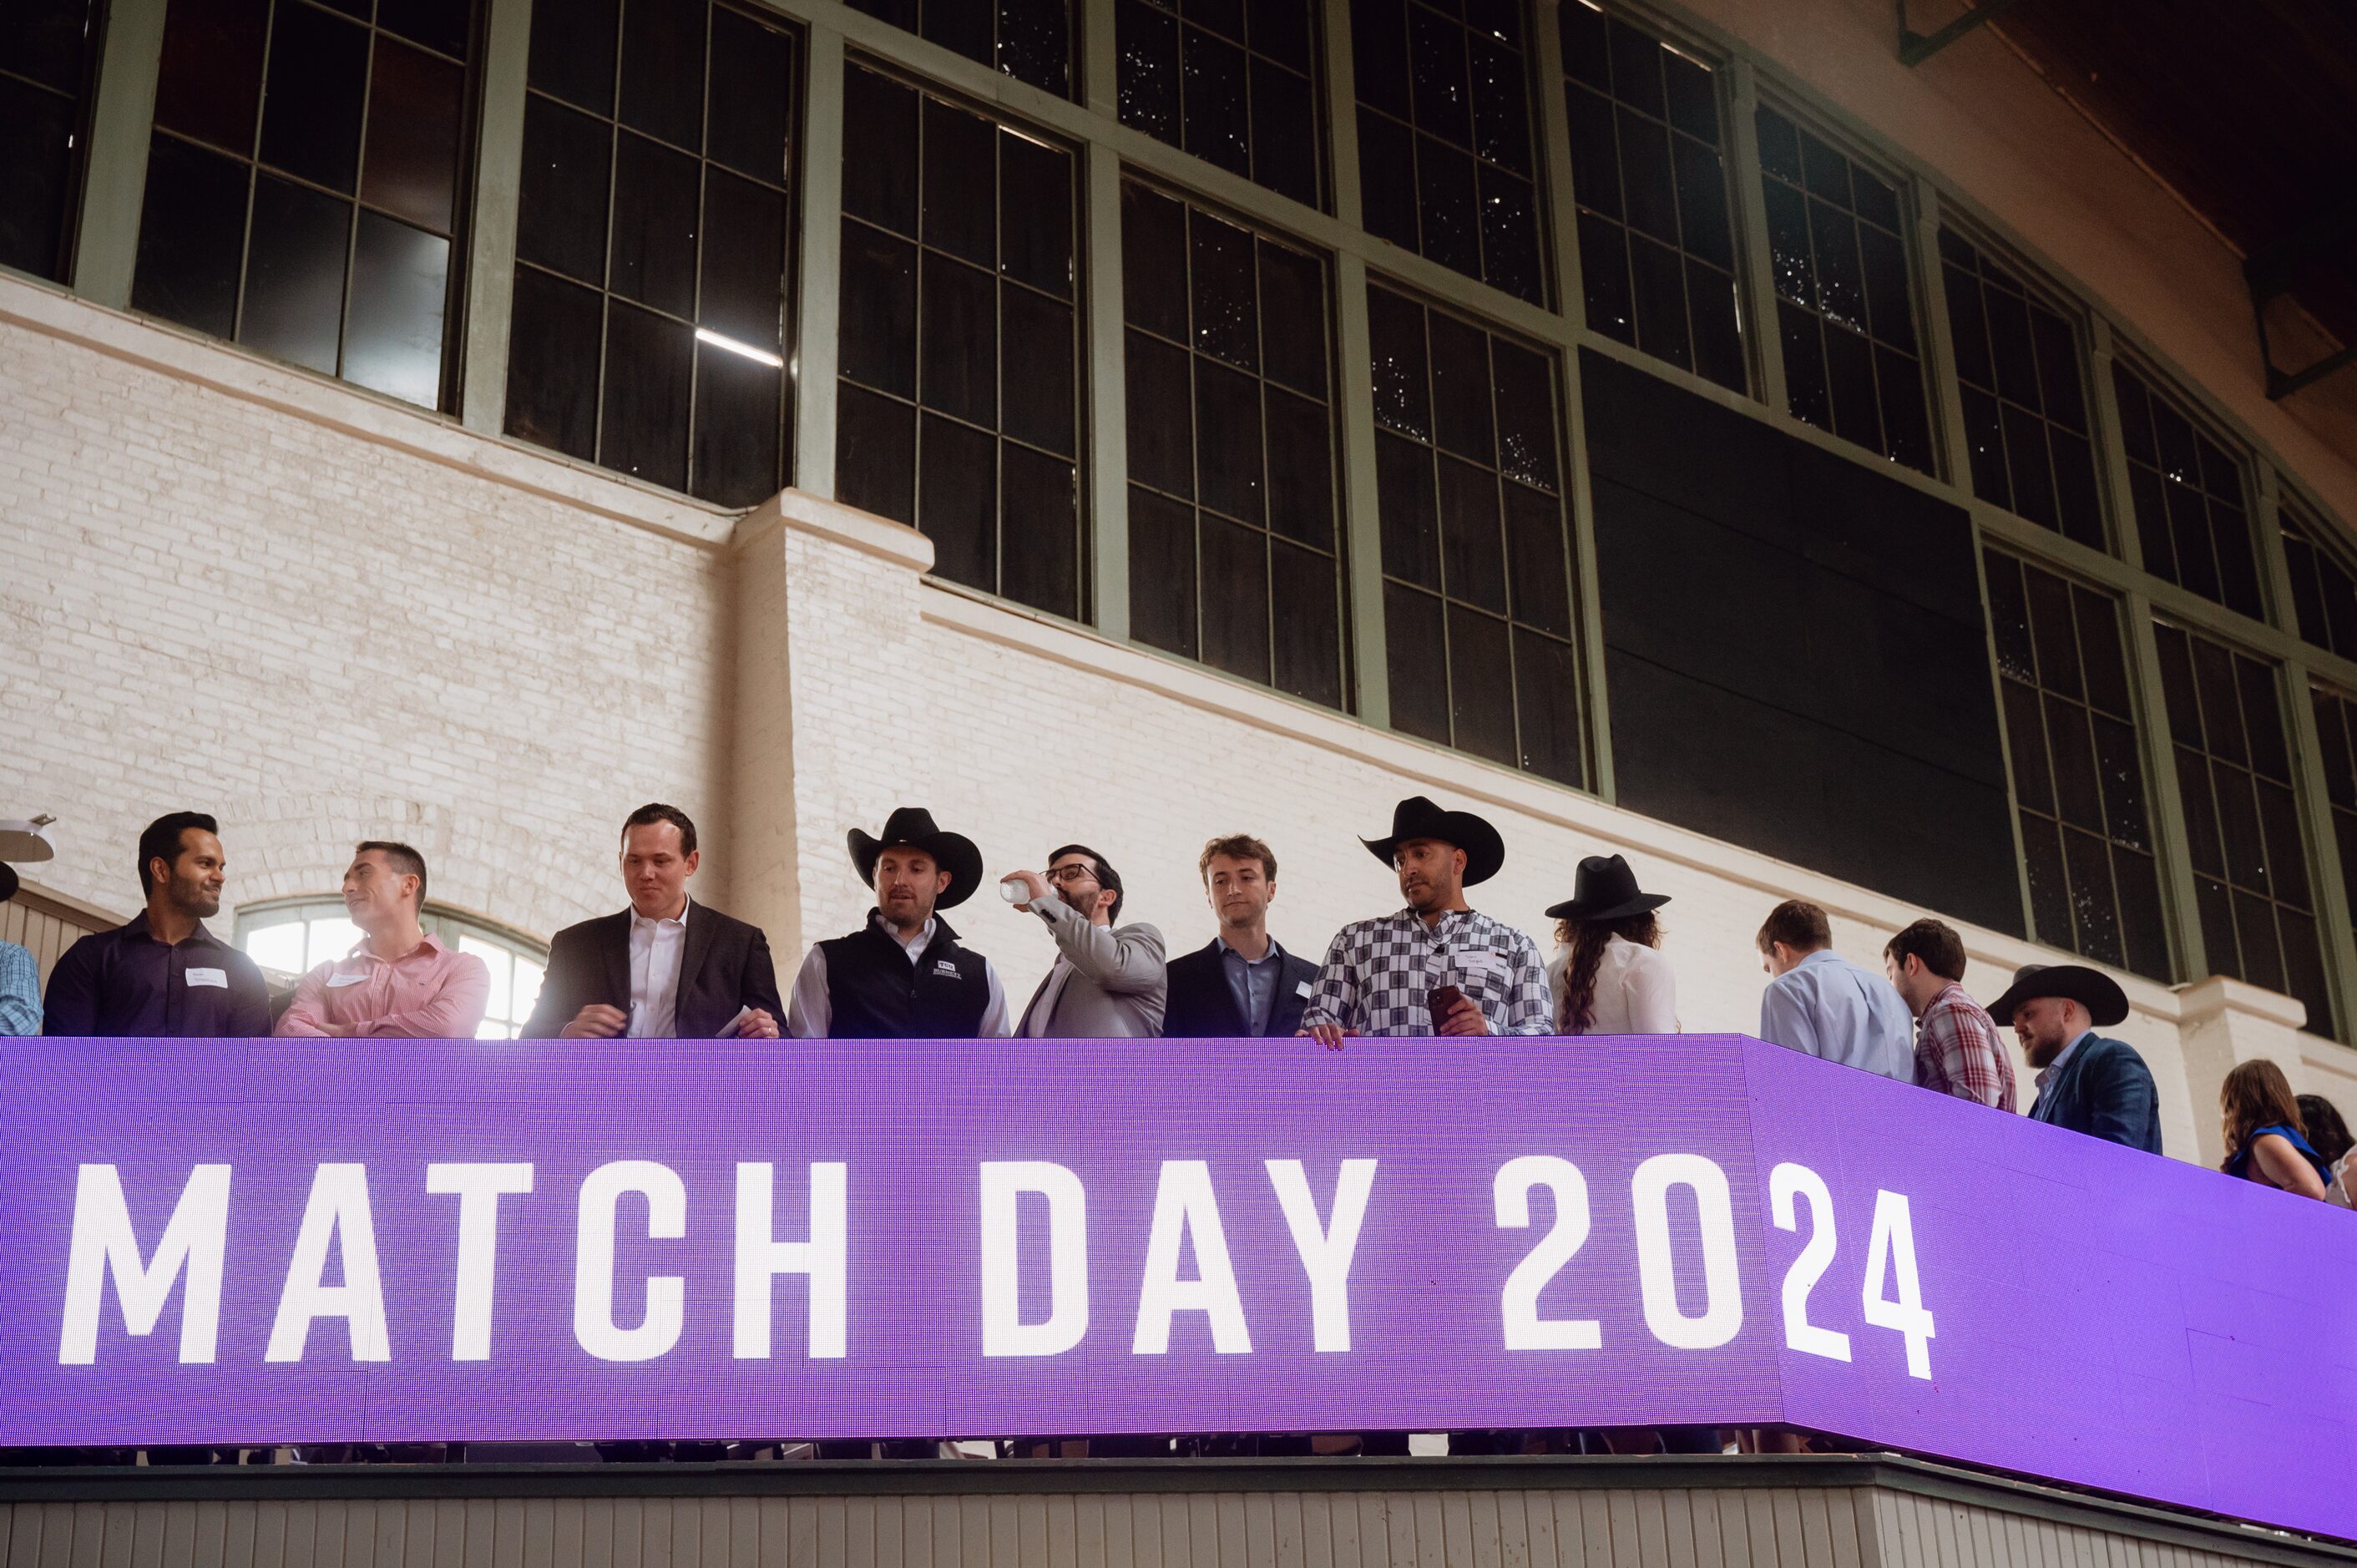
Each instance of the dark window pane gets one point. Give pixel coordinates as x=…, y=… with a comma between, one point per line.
x=1154, y=262
x=1161, y=416
x=1386, y=179
x=1148, y=80
x=2279, y=827
x=573, y=52
x=2033, y=479
x=1236, y=598
x=963, y=27
x=1035, y=43
x=1985, y=435
x=209, y=85
x=1437, y=71
x=1889, y=305
x=2304, y=970
x=43, y=39
x=1040, y=553
x=412, y=135
x=649, y=365
x=1502, y=128
x=1447, y=210
x=1472, y=543
x=1637, y=69
x=1306, y=604
x=1227, y=441
x=2025, y=727
x=562, y=219
x=1702, y=208
x=2123, y=782
x=1587, y=45
x=2058, y=369
x=654, y=226
x=1694, y=100
x=2049, y=893
x=2137, y=877
x=1780, y=149
x=1877, y=199
x=961, y=183
x=1035, y=232
x=1216, y=121
x=2238, y=572
x=1415, y=657
x=1035, y=374
x=2100, y=655
x=1849, y=369
x=2075, y=500
x=1840, y=276
x=295, y=274
x=1968, y=329
x=192, y=233
x=38, y=129
x=1525, y=396
x=957, y=340
x=1595, y=155
x=2078, y=790
x=1546, y=697
x=2091, y=904
x=1647, y=181
x=2009, y=347
x=876, y=455
x=2009, y=618
x=2262, y=953
x=2217, y=909
x=1293, y=319
x=1280, y=29
x=752, y=97
x=1226, y=315
x=880, y=185
x=1659, y=287
x=1536, y=565
x=1161, y=573
x=311, y=124
x=553, y=364
x=1404, y=498
x=957, y=502
x=744, y=261
x=1460, y=389
x=1395, y=336
x=879, y=310
x=662, y=71
x=1510, y=236
x=1300, y=469
x=1805, y=366
x=400, y=277
x=2269, y=758
x=1604, y=278
x=1285, y=133
x=1787, y=245
x=2189, y=527
x=739, y=427
x=1380, y=54
x=1481, y=686
x=441, y=25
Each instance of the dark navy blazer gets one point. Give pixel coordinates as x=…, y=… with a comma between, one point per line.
x=1203, y=1008
x=2105, y=1092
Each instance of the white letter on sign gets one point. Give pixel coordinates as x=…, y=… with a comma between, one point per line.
x=1326, y=1253
x=1657, y=1279
x=592, y=1261
x=761, y=1257
x=1183, y=1205
x=1004, y=1332
x=195, y=1237
x=478, y=1189
x=338, y=1210
x=1510, y=1192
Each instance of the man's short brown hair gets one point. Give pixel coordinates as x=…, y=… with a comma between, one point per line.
x=402, y=860
x=1800, y=927
x=1935, y=942
x=1237, y=846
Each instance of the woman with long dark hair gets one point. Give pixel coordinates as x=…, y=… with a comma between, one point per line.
x=2266, y=1140
x=1609, y=974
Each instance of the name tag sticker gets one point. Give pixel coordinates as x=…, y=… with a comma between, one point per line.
x=1302, y=989
x=209, y=977
x=334, y=980
x=943, y=966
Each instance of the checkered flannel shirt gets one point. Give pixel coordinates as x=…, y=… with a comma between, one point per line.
x=1378, y=972
x=1957, y=1051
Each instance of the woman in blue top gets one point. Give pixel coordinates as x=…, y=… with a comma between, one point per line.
x=2266, y=1140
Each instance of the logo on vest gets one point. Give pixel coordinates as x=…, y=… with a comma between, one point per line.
x=943, y=966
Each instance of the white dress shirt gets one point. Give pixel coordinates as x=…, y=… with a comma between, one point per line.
x=810, y=1011
x=1636, y=991
x=656, y=948
x=1831, y=1008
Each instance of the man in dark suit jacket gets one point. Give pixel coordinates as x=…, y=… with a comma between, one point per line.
x=1242, y=983
x=665, y=968
x=2086, y=1083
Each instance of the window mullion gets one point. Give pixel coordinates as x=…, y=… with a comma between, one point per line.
x=490, y=303
x=2005, y=742
x=115, y=178
x=2111, y=450
x=2172, y=839
x=1361, y=522
x=1342, y=120
x=1104, y=391
x=1755, y=259
x=1950, y=441
x=2319, y=836
x=818, y=267
x=1099, y=58
x=1555, y=173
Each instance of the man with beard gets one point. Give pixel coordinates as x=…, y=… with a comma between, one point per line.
x=1108, y=982
x=2085, y=1081
x=903, y=976
x=1437, y=966
x=162, y=972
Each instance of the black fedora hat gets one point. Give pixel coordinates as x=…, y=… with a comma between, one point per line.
x=1417, y=818
x=2098, y=993
x=1605, y=889
x=913, y=826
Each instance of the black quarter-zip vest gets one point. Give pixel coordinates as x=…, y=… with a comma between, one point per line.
x=873, y=993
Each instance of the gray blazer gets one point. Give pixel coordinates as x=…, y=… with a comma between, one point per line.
x=1110, y=985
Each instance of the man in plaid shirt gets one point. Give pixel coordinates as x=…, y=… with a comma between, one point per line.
x=1379, y=974
x=1957, y=1050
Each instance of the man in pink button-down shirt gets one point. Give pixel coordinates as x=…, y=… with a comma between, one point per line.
x=397, y=979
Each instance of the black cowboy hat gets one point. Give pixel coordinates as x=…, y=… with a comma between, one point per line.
x=2098, y=993
x=1605, y=889
x=8, y=882
x=1417, y=818
x=913, y=826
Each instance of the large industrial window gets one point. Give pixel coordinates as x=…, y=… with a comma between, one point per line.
x=960, y=350
x=303, y=184
x=1235, y=554
x=2188, y=495
x=1031, y=41
x=1444, y=161
x=1656, y=247
x=47, y=50
x=2323, y=590
x=2025, y=398
x=1234, y=83
x=2241, y=824
x=2077, y=779
x=652, y=326
x=2336, y=729
x=1477, y=552
x=1844, y=308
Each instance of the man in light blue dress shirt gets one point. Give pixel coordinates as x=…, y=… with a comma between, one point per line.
x=1820, y=1003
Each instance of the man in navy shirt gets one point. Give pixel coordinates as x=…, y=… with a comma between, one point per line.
x=163, y=973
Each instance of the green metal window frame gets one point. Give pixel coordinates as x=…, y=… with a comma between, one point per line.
x=1089, y=121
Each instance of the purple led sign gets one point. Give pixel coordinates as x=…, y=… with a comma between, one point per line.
x=267, y=1241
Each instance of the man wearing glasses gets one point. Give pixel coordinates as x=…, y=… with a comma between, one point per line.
x=1107, y=982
